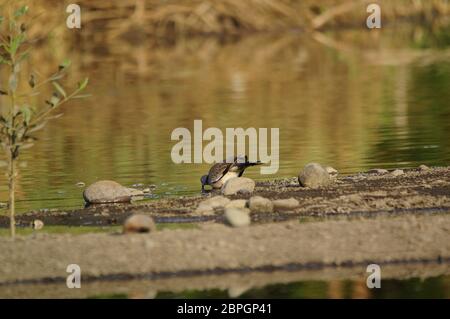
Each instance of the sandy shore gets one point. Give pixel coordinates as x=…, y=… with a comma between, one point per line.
x=215, y=248
x=409, y=223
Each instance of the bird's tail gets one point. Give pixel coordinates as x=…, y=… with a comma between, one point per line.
x=248, y=163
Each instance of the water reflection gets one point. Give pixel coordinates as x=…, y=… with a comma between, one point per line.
x=350, y=100
x=436, y=288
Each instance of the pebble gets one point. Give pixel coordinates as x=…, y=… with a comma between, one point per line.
x=237, y=217
x=139, y=223
x=238, y=185
x=424, y=168
x=314, y=175
x=260, y=204
x=237, y=203
x=207, y=206
x=289, y=203
x=37, y=224
x=397, y=172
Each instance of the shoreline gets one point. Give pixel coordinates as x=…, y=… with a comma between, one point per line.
x=357, y=195
x=213, y=246
x=362, y=218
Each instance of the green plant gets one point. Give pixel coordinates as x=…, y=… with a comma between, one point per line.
x=23, y=111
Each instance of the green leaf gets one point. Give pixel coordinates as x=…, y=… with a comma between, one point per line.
x=60, y=89
x=38, y=127
x=26, y=112
x=54, y=100
x=81, y=96
x=82, y=85
x=66, y=63
x=26, y=146
x=24, y=55
x=15, y=43
x=21, y=11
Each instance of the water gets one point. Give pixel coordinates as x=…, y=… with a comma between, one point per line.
x=353, y=100
x=436, y=287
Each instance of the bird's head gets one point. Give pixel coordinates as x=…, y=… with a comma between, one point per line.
x=204, y=180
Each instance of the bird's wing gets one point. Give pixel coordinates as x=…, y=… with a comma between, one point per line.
x=217, y=171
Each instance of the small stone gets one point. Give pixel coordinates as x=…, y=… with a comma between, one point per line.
x=397, y=172
x=81, y=184
x=107, y=192
x=216, y=201
x=37, y=224
x=238, y=185
x=289, y=203
x=379, y=171
x=139, y=223
x=146, y=190
x=237, y=203
x=237, y=217
x=314, y=175
x=260, y=204
x=207, y=206
x=331, y=171
x=424, y=168
x=204, y=209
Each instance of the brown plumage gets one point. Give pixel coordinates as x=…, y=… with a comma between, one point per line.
x=219, y=173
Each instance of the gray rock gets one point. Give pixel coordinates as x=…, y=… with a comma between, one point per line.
x=208, y=206
x=107, y=192
x=424, y=168
x=139, y=223
x=237, y=203
x=397, y=172
x=289, y=203
x=260, y=204
x=379, y=171
x=237, y=217
x=314, y=175
x=238, y=185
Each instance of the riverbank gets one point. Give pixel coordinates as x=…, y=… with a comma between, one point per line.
x=383, y=217
x=367, y=194
x=214, y=249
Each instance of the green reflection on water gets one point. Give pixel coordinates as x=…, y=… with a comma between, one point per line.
x=434, y=287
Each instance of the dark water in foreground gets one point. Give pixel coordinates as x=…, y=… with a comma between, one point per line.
x=355, y=100
x=435, y=287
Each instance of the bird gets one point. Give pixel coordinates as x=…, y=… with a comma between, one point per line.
x=221, y=172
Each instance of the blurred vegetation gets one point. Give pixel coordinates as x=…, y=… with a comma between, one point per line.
x=22, y=113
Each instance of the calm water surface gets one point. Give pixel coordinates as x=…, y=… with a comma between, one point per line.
x=353, y=100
